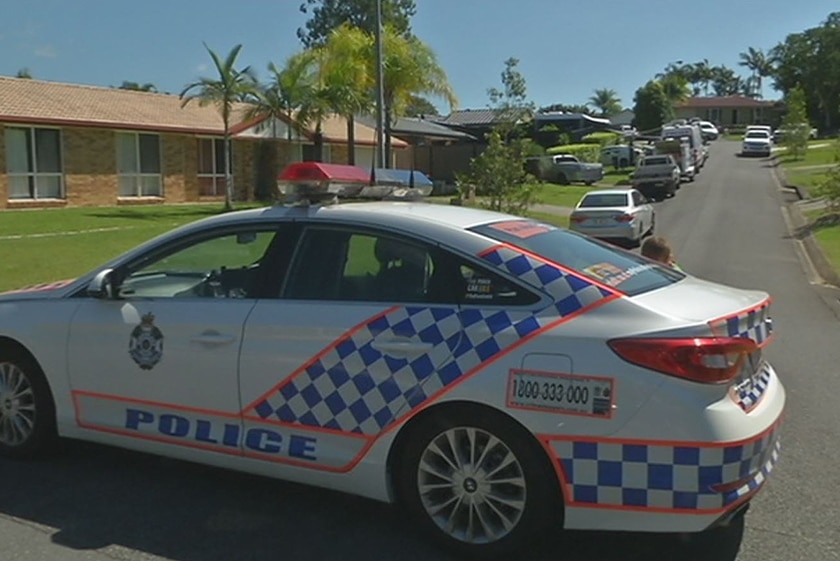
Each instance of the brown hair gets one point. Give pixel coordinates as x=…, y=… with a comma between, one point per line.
x=657, y=248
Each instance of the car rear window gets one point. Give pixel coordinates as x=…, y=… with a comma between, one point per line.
x=658, y=161
x=627, y=272
x=604, y=200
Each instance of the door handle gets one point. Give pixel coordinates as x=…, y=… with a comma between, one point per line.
x=401, y=347
x=213, y=338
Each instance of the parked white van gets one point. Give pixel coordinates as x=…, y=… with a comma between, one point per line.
x=692, y=133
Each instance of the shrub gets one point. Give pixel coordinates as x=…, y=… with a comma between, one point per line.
x=829, y=187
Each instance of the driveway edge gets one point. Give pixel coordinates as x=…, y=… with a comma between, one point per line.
x=801, y=231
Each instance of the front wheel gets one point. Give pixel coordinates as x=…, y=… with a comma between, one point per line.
x=478, y=483
x=27, y=413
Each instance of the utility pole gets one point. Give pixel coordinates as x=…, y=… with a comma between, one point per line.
x=380, y=93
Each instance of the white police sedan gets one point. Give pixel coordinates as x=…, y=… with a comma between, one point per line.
x=496, y=376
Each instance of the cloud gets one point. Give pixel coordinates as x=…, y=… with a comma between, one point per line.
x=46, y=51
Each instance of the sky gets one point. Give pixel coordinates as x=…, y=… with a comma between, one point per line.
x=566, y=48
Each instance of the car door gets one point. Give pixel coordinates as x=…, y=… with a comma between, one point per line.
x=158, y=361
x=363, y=320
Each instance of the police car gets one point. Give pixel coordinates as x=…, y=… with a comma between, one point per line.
x=498, y=377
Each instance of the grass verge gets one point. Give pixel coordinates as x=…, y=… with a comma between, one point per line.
x=52, y=244
x=825, y=228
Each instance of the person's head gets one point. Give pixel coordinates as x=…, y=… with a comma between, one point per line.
x=658, y=249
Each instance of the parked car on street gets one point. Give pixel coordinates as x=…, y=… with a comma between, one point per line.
x=779, y=134
x=680, y=150
x=657, y=177
x=569, y=169
x=620, y=155
x=756, y=143
x=708, y=130
x=621, y=215
x=497, y=377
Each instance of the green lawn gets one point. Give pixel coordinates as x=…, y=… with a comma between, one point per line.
x=561, y=195
x=823, y=153
x=827, y=235
x=46, y=245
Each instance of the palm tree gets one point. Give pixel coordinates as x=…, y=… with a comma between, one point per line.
x=703, y=74
x=606, y=101
x=410, y=68
x=676, y=88
x=348, y=79
x=760, y=64
x=231, y=86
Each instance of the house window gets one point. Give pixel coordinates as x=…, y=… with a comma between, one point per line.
x=138, y=165
x=33, y=157
x=212, y=171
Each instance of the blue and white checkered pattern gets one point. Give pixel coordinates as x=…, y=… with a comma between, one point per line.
x=661, y=476
x=354, y=387
x=749, y=394
x=755, y=324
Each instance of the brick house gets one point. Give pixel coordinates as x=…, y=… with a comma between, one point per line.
x=729, y=111
x=74, y=145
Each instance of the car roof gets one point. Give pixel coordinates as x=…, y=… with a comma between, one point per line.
x=609, y=192
x=386, y=213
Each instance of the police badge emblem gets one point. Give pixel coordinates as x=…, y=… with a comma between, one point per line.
x=146, y=343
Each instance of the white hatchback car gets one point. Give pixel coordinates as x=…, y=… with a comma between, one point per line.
x=614, y=214
x=497, y=376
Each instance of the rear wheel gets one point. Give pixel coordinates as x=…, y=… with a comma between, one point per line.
x=27, y=412
x=479, y=484
x=562, y=179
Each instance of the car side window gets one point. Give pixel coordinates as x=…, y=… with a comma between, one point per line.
x=637, y=199
x=227, y=265
x=479, y=286
x=341, y=264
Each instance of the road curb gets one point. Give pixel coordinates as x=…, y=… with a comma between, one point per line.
x=801, y=230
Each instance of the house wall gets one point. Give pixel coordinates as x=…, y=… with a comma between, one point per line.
x=730, y=116
x=4, y=180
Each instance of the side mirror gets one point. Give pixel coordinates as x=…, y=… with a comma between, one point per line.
x=101, y=287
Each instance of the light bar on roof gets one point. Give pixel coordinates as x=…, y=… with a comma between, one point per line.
x=316, y=180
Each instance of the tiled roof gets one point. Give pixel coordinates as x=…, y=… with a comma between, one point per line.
x=730, y=101
x=468, y=117
x=415, y=126
x=41, y=102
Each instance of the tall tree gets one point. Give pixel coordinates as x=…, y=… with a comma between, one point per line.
x=224, y=91
x=795, y=124
x=606, y=101
x=811, y=60
x=419, y=106
x=348, y=79
x=327, y=15
x=760, y=65
x=510, y=103
x=565, y=108
x=410, y=68
x=652, y=107
x=725, y=81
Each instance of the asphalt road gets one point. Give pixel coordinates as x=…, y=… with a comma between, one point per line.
x=92, y=503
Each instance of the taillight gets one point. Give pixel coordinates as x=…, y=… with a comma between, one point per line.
x=577, y=218
x=706, y=360
x=624, y=218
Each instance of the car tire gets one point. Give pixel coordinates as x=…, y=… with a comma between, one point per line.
x=623, y=163
x=27, y=410
x=461, y=508
x=588, y=183
x=562, y=179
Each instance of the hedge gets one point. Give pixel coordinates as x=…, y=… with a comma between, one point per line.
x=601, y=138
x=584, y=152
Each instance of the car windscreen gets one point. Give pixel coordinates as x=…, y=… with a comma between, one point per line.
x=758, y=135
x=603, y=200
x=630, y=273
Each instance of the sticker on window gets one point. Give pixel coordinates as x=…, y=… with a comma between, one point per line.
x=611, y=275
x=522, y=229
x=479, y=289
x=591, y=396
